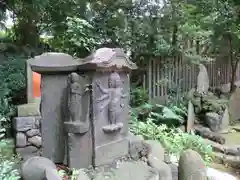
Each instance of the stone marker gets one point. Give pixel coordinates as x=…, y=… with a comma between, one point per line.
x=191, y=117
x=224, y=127
x=213, y=120
x=39, y=168
x=77, y=126
x=109, y=70
x=54, y=69
x=191, y=166
x=234, y=104
x=202, y=80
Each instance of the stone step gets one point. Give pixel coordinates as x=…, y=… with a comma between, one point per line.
x=229, y=160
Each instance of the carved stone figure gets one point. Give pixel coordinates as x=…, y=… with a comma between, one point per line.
x=112, y=98
x=75, y=97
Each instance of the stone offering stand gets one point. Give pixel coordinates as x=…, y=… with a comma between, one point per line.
x=85, y=121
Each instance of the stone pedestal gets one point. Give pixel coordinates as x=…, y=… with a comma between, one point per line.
x=79, y=144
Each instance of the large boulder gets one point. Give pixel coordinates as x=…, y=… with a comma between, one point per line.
x=39, y=168
x=191, y=166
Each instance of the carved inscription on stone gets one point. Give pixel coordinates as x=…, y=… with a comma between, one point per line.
x=111, y=98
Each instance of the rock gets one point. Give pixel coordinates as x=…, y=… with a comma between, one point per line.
x=191, y=166
x=39, y=168
x=82, y=175
x=207, y=133
x=23, y=123
x=202, y=80
x=225, y=120
x=155, y=149
x=191, y=117
x=234, y=150
x=163, y=169
x=213, y=121
x=127, y=171
x=21, y=140
x=38, y=123
x=36, y=141
x=33, y=132
x=27, y=152
x=135, y=146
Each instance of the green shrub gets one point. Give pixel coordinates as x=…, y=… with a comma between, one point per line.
x=12, y=79
x=139, y=96
x=173, y=140
x=171, y=115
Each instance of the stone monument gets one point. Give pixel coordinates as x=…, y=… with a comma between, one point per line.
x=109, y=70
x=84, y=107
x=202, y=80
x=54, y=69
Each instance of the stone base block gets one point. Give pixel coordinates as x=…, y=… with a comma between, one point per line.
x=30, y=109
x=107, y=153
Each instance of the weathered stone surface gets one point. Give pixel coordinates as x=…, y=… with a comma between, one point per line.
x=39, y=168
x=105, y=154
x=191, y=166
x=155, y=149
x=38, y=122
x=82, y=175
x=27, y=152
x=213, y=121
x=79, y=150
x=36, y=141
x=21, y=140
x=225, y=121
x=135, y=146
x=31, y=109
x=234, y=104
x=51, y=174
x=163, y=169
x=174, y=169
x=54, y=62
x=23, y=123
x=202, y=80
x=33, y=132
x=110, y=114
x=53, y=111
x=207, y=133
x=232, y=150
x=127, y=171
x=191, y=117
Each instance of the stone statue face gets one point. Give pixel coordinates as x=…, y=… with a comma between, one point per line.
x=114, y=80
x=74, y=77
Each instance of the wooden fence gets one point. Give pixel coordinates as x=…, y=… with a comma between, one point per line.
x=160, y=75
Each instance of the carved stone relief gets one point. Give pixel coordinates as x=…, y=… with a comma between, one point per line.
x=112, y=99
x=76, y=90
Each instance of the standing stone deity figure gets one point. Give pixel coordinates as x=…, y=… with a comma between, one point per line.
x=75, y=97
x=112, y=98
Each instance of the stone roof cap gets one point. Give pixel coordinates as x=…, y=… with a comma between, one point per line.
x=107, y=58
x=53, y=62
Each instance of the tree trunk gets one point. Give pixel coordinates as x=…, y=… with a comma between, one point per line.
x=234, y=64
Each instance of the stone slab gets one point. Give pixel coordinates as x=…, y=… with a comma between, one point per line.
x=106, y=153
x=135, y=170
x=30, y=109
x=27, y=152
x=24, y=123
